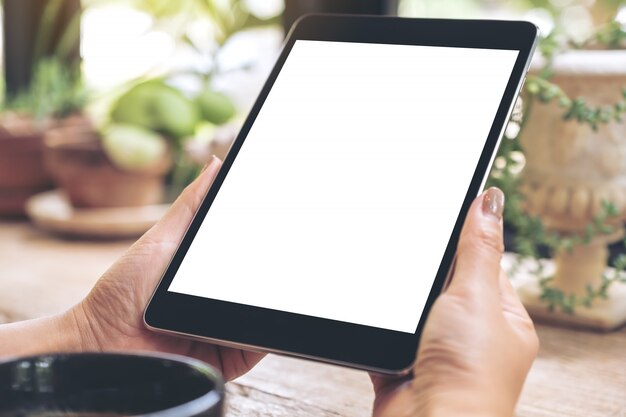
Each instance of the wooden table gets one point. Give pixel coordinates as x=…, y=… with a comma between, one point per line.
x=577, y=373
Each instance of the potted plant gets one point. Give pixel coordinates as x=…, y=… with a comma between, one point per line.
x=117, y=166
x=187, y=106
x=179, y=120
x=154, y=129
x=124, y=163
x=42, y=89
x=564, y=179
x=54, y=98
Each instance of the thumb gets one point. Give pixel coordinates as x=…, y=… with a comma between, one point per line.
x=480, y=247
x=173, y=225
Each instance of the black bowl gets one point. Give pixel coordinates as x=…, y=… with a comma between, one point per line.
x=100, y=384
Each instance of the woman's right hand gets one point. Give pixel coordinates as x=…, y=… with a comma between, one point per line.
x=478, y=343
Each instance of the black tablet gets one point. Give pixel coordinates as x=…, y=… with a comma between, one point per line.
x=332, y=225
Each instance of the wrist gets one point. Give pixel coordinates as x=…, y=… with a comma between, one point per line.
x=38, y=336
x=77, y=320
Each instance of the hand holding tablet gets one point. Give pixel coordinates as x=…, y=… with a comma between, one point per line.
x=331, y=228
x=478, y=343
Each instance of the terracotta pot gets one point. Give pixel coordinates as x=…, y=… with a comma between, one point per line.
x=78, y=164
x=22, y=173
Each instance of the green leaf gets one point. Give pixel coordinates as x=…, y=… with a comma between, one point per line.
x=133, y=148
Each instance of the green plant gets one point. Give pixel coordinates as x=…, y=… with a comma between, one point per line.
x=157, y=106
x=133, y=148
x=585, y=13
x=56, y=89
x=180, y=116
x=612, y=36
x=567, y=303
x=530, y=233
x=54, y=92
x=531, y=236
x=576, y=108
x=228, y=16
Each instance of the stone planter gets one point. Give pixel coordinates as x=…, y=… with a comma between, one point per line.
x=570, y=170
x=78, y=165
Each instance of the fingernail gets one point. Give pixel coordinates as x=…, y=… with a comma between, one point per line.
x=493, y=202
x=208, y=164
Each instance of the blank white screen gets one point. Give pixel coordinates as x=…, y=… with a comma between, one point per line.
x=343, y=197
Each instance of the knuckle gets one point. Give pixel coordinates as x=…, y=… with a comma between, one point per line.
x=533, y=340
x=188, y=192
x=486, y=240
x=191, y=198
x=528, y=337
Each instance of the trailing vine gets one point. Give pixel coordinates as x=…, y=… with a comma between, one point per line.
x=530, y=233
x=531, y=236
x=555, y=298
x=575, y=108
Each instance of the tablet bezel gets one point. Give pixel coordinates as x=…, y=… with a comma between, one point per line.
x=353, y=345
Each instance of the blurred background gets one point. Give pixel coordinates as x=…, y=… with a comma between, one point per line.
x=110, y=107
x=120, y=102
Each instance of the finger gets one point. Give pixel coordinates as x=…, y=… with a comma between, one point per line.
x=174, y=223
x=480, y=247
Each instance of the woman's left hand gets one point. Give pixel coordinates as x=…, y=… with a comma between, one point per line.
x=110, y=318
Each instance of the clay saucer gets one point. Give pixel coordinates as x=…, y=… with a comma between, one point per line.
x=53, y=212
